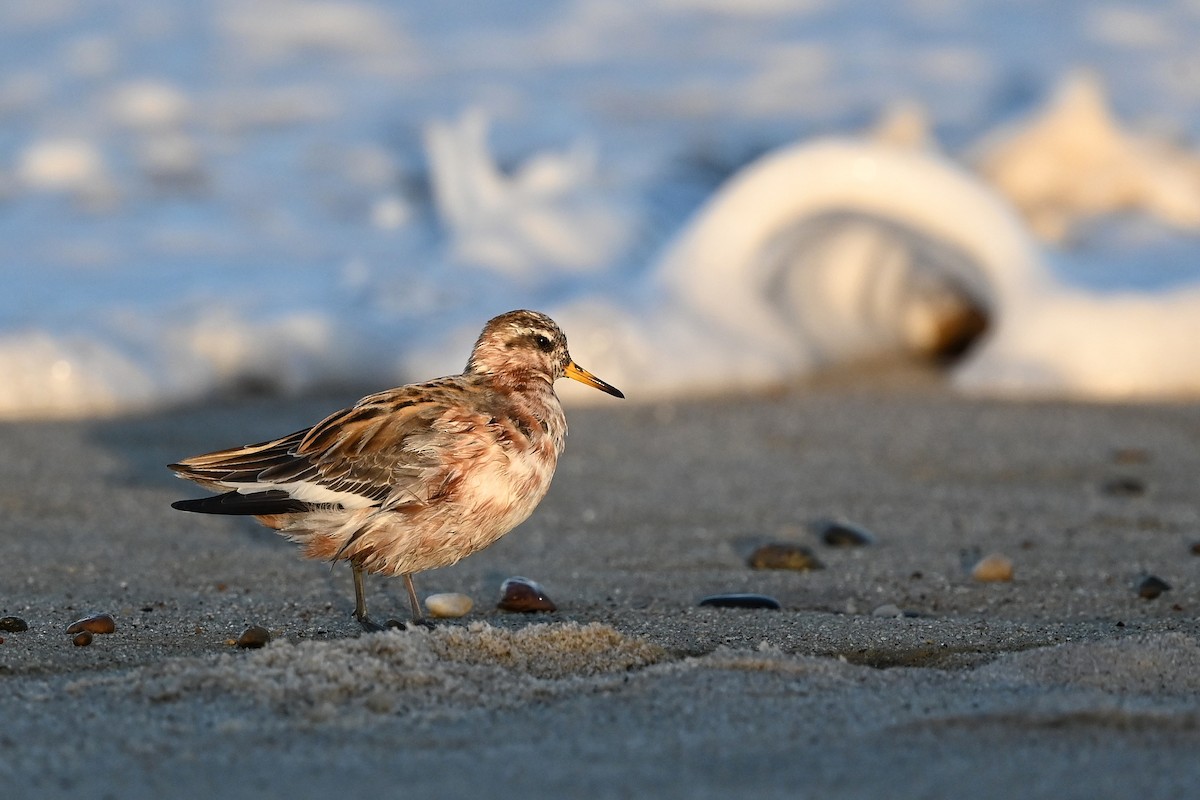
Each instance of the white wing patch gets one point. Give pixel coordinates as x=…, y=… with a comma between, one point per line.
x=307, y=492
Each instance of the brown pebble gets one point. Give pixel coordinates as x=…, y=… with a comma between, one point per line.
x=1196, y=548
x=13, y=624
x=837, y=533
x=254, y=637
x=101, y=623
x=82, y=639
x=995, y=568
x=1152, y=586
x=784, y=556
x=1130, y=455
x=524, y=596
x=741, y=600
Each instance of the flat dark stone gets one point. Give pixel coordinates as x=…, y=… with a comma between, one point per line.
x=1152, y=586
x=1124, y=486
x=741, y=600
x=13, y=624
x=838, y=533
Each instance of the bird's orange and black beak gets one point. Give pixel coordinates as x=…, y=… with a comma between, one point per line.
x=578, y=373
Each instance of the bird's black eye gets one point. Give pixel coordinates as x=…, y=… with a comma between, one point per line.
x=543, y=342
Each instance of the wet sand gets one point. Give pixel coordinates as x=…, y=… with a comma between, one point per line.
x=1063, y=682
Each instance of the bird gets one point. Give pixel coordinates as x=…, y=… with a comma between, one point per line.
x=416, y=477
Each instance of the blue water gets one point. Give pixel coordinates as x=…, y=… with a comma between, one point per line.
x=304, y=186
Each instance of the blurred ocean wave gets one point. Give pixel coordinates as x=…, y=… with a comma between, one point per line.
x=196, y=197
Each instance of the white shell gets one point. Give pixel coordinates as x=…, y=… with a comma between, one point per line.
x=449, y=604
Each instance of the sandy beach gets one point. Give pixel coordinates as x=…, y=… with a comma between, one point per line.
x=890, y=672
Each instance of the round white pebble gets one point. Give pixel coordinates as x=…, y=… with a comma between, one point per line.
x=449, y=604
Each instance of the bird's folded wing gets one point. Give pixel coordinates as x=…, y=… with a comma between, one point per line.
x=382, y=450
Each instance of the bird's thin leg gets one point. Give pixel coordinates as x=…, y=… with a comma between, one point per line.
x=360, y=601
x=418, y=616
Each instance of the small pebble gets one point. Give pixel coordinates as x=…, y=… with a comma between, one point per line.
x=888, y=610
x=82, y=639
x=1152, y=586
x=524, y=596
x=1130, y=455
x=741, y=600
x=995, y=568
x=1125, y=486
x=101, y=623
x=13, y=624
x=448, y=605
x=784, y=556
x=1196, y=548
x=836, y=533
x=254, y=637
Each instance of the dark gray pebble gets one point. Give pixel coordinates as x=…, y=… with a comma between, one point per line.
x=1125, y=486
x=1152, y=586
x=524, y=596
x=13, y=624
x=254, y=637
x=784, y=556
x=741, y=600
x=837, y=533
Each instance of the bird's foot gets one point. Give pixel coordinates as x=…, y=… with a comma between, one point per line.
x=369, y=625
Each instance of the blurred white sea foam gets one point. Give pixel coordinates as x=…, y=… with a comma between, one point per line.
x=196, y=197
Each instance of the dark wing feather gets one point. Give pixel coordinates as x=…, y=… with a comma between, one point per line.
x=272, y=502
x=238, y=464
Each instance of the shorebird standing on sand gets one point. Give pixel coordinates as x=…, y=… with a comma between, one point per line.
x=413, y=478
